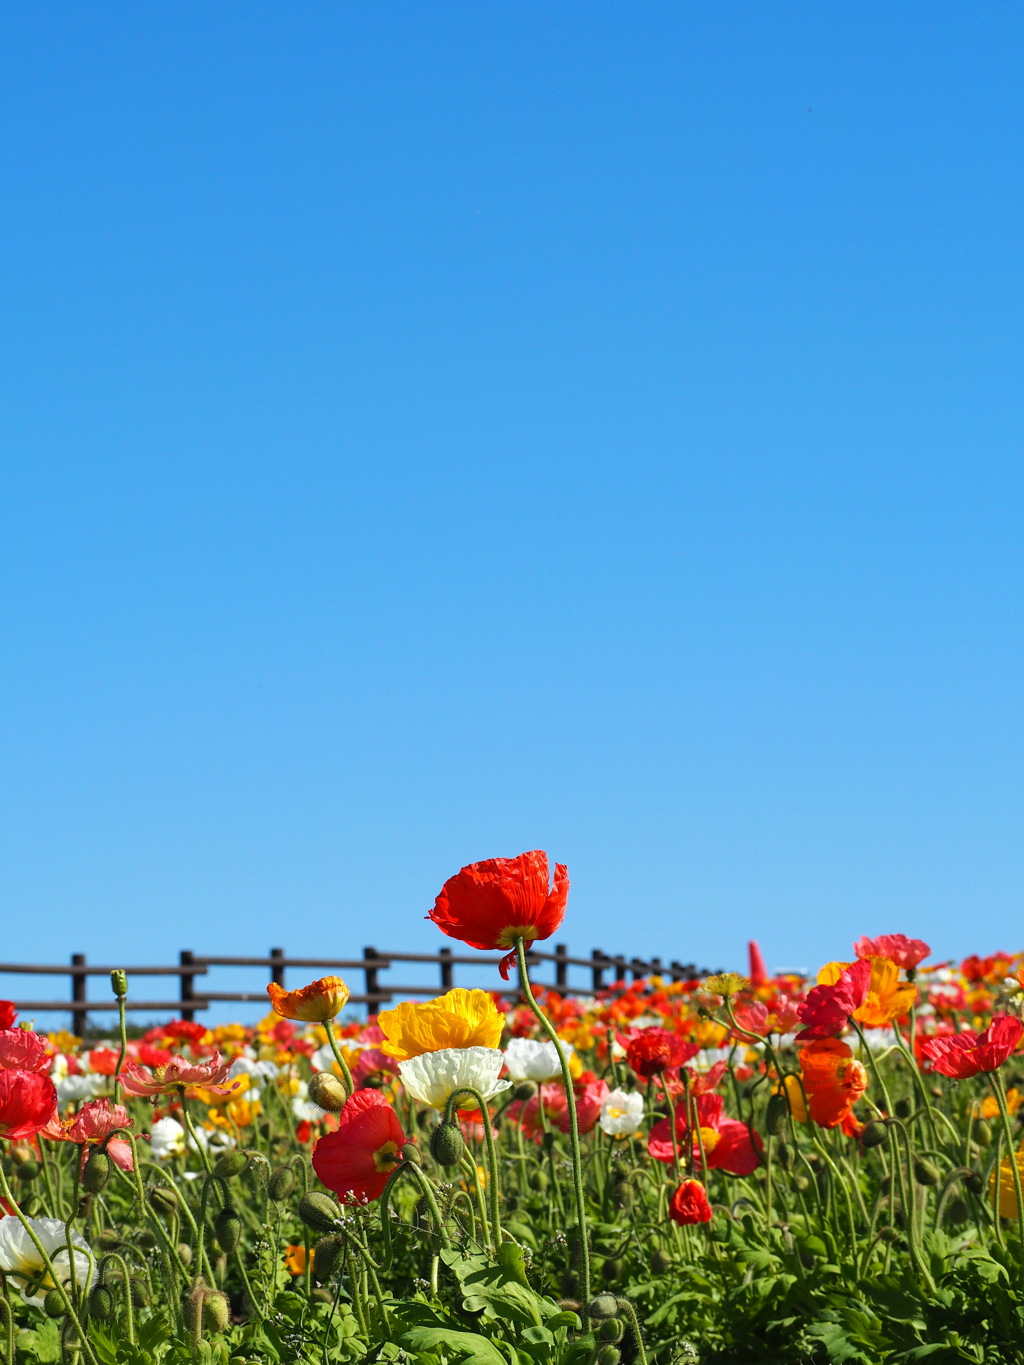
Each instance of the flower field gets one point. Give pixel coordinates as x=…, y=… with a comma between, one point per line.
x=748, y=1168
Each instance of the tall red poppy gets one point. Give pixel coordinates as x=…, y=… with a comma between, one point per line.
x=965, y=1054
x=356, y=1160
x=689, y=1204
x=827, y=1009
x=491, y=904
x=21, y=1050
x=27, y=1103
x=652, y=1051
x=8, y=1013
x=728, y=1144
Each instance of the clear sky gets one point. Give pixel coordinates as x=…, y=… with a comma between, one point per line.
x=435, y=431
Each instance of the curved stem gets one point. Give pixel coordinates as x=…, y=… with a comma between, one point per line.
x=339, y=1056
x=574, y=1127
x=492, y=1155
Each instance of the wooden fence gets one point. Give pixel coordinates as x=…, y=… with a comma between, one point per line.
x=193, y=966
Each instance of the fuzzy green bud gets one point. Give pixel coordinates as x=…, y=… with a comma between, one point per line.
x=607, y=1355
x=216, y=1311
x=228, y=1227
x=101, y=1303
x=318, y=1211
x=612, y=1329
x=447, y=1144
x=163, y=1199
x=29, y=1170
x=925, y=1173
x=96, y=1172
x=524, y=1091
x=903, y=1108
x=327, y=1256
x=230, y=1164
x=119, y=983
x=327, y=1091
x=603, y=1306
x=282, y=1184
x=874, y=1134
x=53, y=1304
x=776, y=1113
x=410, y=1152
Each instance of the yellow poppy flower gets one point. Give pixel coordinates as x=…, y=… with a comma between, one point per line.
x=459, y=1019
x=1001, y=1188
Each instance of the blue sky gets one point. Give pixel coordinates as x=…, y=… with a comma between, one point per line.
x=431, y=432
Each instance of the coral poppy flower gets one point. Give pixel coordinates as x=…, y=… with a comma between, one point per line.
x=654, y=1050
x=27, y=1103
x=589, y=1098
x=728, y=1144
x=887, y=997
x=905, y=952
x=313, y=1004
x=829, y=1006
x=493, y=903
x=833, y=1082
x=210, y=1074
x=94, y=1123
x=8, y=1014
x=782, y=1016
x=21, y=1050
x=965, y=1054
x=689, y=1204
x=460, y=1018
x=356, y=1160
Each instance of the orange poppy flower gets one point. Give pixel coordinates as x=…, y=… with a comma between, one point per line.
x=312, y=1004
x=833, y=1082
x=886, y=998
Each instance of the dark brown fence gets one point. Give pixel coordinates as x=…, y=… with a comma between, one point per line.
x=600, y=970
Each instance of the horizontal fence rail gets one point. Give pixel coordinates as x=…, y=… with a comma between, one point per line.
x=193, y=966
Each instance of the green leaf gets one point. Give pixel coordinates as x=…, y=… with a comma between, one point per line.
x=470, y=1347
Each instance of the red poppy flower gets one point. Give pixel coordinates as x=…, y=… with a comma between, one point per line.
x=651, y=1051
x=27, y=1103
x=185, y=1030
x=905, y=952
x=491, y=904
x=356, y=1160
x=690, y=1204
x=24, y=1051
x=8, y=1014
x=827, y=1009
x=728, y=1144
x=965, y=1054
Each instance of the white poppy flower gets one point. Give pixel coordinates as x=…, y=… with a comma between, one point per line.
x=304, y=1109
x=622, y=1113
x=72, y=1088
x=20, y=1259
x=528, y=1060
x=433, y=1076
x=167, y=1138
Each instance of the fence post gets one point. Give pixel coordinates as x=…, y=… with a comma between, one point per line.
x=676, y=970
x=561, y=967
x=277, y=966
x=597, y=970
x=656, y=966
x=619, y=963
x=79, y=1017
x=372, y=980
x=188, y=985
x=447, y=969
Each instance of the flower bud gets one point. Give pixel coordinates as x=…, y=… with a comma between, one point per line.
x=259, y=1168
x=524, y=1091
x=282, y=1184
x=604, y=1306
x=874, y=1134
x=184, y=1253
x=101, y=1303
x=318, y=1211
x=146, y=1239
x=612, y=1329
x=958, y=1211
x=613, y=1270
x=607, y=1355
x=776, y=1113
x=903, y=1108
x=119, y=983
x=108, y=1239
x=410, y=1152
x=660, y=1260
x=84, y=1206
x=925, y=1173
x=139, y=1291
x=447, y=1144
x=230, y=1164
x=327, y=1256
x=53, y=1304
x=216, y=1311
x=983, y=1133
x=28, y=1171
x=163, y=1199
x=96, y=1172
x=228, y=1228
x=327, y=1091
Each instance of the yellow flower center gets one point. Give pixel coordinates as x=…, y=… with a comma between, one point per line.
x=387, y=1156
x=710, y=1139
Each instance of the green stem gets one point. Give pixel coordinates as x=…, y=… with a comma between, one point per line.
x=997, y=1085
x=339, y=1056
x=574, y=1127
x=492, y=1155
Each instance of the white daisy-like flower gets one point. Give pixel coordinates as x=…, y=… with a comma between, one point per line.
x=306, y=1110
x=528, y=1060
x=166, y=1139
x=20, y=1259
x=433, y=1076
x=622, y=1113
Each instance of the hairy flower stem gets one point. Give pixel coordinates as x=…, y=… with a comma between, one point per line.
x=626, y=1307
x=203, y=1154
x=123, y=1029
x=58, y=1283
x=339, y=1056
x=996, y=1081
x=492, y=1155
x=574, y=1127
